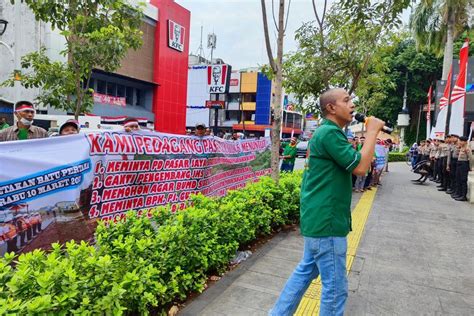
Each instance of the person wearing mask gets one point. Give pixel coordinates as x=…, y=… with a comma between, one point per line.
x=24, y=128
x=235, y=136
x=70, y=127
x=325, y=211
x=130, y=124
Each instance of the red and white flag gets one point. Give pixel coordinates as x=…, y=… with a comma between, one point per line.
x=458, y=96
x=440, y=127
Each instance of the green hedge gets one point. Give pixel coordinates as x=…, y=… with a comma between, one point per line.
x=396, y=156
x=142, y=265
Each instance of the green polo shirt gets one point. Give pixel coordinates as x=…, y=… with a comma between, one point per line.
x=326, y=189
x=290, y=151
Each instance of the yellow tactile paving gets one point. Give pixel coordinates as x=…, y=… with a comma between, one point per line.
x=309, y=305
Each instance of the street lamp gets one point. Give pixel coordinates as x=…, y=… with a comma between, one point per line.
x=3, y=26
x=403, y=120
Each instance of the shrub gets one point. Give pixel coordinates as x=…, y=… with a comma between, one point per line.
x=141, y=263
x=397, y=156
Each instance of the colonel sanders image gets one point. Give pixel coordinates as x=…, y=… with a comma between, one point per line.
x=216, y=74
x=177, y=33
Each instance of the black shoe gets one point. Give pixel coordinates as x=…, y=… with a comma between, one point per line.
x=449, y=191
x=441, y=189
x=438, y=181
x=461, y=199
x=439, y=186
x=455, y=196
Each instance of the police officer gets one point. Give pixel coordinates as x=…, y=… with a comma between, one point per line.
x=443, y=159
x=462, y=169
x=452, y=162
x=432, y=154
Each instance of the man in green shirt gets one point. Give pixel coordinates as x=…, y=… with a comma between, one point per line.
x=24, y=128
x=3, y=123
x=289, y=156
x=325, y=213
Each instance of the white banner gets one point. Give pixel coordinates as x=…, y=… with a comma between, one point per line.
x=439, y=129
x=54, y=189
x=456, y=121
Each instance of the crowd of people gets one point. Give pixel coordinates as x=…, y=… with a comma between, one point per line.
x=379, y=164
x=25, y=128
x=446, y=162
x=17, y=231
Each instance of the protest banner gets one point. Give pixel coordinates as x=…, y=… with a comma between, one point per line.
x=55, y=189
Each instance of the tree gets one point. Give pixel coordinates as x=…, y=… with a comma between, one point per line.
x=98, y=34
x=437, y=23
x=276, y=69
x=337, y=49
x=380, y=93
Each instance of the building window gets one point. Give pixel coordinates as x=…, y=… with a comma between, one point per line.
x=101, y=86
x=91, y=83
x=233, y=97
x=111, y=89
x=120, y=90
x=129, y=96
x=249, y=97
x=139, y=100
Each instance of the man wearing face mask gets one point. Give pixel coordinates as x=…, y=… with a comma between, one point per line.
x=24, y=128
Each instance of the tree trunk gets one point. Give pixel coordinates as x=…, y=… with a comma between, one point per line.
x=275, y=163
x=448, y=49
x=276, y=67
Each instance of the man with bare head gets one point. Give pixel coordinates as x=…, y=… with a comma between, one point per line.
x=325, y=211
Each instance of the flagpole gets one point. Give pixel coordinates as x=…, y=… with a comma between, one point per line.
x=428, y=113
x=465, y=98
x=448, y=114
x=419, y=121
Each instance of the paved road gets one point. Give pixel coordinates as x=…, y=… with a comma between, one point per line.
x=416, y=257
x=417, y=254
x=299, y=163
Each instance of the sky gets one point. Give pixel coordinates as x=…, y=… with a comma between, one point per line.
x=239, y=28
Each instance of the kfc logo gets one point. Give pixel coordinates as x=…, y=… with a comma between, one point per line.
x=175, y=36
x=217, y=78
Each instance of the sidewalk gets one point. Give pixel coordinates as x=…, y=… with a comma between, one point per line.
x=415, y=257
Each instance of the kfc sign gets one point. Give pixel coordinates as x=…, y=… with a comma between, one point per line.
x=217, y=78
x=175, y=36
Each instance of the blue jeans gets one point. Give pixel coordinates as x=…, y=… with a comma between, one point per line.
x=325, y=257
x=287, y=167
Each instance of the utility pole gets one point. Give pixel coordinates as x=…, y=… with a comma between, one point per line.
x=211, y=43
x=200, y=51
x=419, y=119
x=403, y=117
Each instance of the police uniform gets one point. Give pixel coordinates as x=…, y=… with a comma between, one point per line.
x=452, y=161
x=443, y=159
x=432, y=152
x=437, y=153
x=462, y=171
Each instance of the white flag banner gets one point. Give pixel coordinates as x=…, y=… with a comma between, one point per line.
x=439, y=129
x=458, y=96
x=456, y=121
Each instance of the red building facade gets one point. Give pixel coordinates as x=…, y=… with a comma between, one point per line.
x=171, y=66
